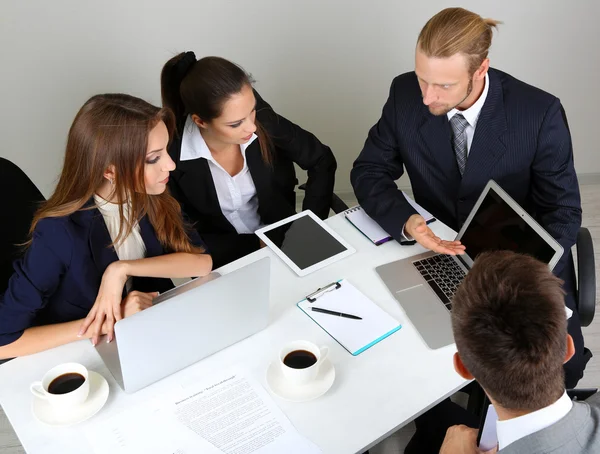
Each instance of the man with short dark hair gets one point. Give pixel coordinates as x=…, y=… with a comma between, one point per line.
x=510, y=328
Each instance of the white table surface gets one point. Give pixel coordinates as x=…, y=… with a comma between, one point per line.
x=374, y=394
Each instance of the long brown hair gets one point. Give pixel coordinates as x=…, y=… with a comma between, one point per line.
x=201, y=87
x=112, y=130
x=457, y=30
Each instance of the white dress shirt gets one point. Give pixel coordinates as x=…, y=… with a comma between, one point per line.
x=236, y=194
x=130, y=248
x=471, y=115
x=514, y=429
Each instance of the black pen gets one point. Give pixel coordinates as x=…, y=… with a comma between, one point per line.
x=339, y=314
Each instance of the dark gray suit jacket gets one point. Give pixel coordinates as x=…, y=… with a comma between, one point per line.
x=577, y=432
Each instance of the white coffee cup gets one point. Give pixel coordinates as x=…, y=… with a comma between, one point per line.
x=304, y=375
x=69, y=399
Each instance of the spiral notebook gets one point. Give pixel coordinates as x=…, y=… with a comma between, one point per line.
x=356, y=336
x=371, y=229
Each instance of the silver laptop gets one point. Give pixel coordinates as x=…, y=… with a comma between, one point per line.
x=187, y=324
x=425, y=284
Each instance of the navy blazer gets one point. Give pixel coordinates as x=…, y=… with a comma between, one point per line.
x=58, y=278
x=192, y=184
x=521, y=141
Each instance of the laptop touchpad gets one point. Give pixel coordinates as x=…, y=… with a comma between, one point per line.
x=428, y=314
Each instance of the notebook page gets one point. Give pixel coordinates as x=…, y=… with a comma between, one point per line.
x=354, y=335
x=422, y=211
x=363, y=222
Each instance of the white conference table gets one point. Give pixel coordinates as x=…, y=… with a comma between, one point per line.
x=374, y=394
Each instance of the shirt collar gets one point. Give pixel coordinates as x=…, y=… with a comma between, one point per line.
x=193, y=145
x=514, y=429
x=472, y=113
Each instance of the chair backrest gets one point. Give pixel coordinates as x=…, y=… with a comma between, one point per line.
x=21, y=200
x=586, y=267
x=586, y=277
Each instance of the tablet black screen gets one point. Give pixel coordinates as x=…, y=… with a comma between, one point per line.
x=305, y=242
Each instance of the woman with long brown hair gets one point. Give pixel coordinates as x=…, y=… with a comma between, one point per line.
x=103, y=243
x=235, y=156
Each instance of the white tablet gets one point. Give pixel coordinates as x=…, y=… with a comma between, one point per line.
x=304, y=242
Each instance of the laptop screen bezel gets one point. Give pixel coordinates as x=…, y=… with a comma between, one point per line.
x=493, y=186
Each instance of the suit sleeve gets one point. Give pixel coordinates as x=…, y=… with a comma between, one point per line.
x=222, y=247
x=307, y=151
x=37, y=276
x=555, y=190
x=376, y=170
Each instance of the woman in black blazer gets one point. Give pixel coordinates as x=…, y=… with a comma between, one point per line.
x=235, y=156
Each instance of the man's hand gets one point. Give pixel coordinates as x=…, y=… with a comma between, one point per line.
x=462, y=440
x=418, y=229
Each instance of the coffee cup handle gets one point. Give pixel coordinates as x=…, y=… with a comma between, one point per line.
x=324, y=350
x=37, y=390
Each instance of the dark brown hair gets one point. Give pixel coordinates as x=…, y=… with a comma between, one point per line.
x=510, y=329
x=113, y=129
x=202, y=87
x=457, y=30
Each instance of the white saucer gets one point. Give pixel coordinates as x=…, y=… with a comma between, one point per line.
x=44, y=412
x=300, y=393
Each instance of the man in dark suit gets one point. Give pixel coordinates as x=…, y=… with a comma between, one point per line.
x=454, y=124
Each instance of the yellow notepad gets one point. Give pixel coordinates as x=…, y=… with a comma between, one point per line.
x=356, y=336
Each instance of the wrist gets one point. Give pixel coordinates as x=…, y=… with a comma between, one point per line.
x=118, y=269
x=88, y=334
x=412, y=221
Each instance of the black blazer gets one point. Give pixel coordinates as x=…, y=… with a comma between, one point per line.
x=192, y=185
x=521, y=141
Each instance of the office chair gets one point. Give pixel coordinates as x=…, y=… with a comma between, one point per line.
x=337, y=204
x=21, y=199
x=586, y=277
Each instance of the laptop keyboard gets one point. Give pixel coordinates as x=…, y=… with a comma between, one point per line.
x=443, y=275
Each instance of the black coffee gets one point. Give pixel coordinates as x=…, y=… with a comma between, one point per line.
x=299, y=359
x=66, y=383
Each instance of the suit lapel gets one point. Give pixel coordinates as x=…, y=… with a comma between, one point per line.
x=197, y=184
x=153, y=246
x=435, y=132
x=100, y=242
x=259, y=171
x=272, y=205
x=99, y=239
x=487, y=146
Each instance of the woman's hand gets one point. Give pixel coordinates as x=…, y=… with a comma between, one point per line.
x=107, y=308
x=136, y=302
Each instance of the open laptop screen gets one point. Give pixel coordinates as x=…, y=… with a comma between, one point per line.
x=497, y=226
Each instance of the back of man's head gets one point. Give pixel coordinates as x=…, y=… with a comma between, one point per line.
x=458, y=31
x=510, y=329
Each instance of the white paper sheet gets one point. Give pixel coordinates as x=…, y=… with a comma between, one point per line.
x=145, y=429
x=422, y=211
x=229, y=413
